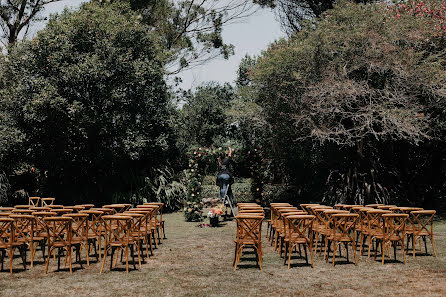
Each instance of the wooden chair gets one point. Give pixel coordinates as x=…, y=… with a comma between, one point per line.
x=160, y=222
x=375, y=226
x=118, y=237
x=393, y=232
x=299, y=232
x=422, y=226
x=23, y=235
x=59, y=237
x=7, y=240
x=40, y=233
x=96, y=230
x=342, y=232
x=147, y=229
x=34, y=201
x=249, y=231
x=324, y=230
x=79, y=234
x=47, y=201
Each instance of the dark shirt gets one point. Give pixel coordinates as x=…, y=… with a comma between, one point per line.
x=224, y=167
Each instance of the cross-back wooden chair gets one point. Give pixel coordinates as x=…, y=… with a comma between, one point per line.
x=137, y=232
x=269, y=221
x=95, y=232
x=146, y=228
x=23, y=235
x=47, y=201
x=7, y=240
x=278, y=225
x=79, y=234
x=249, y=231
x=422, y=226
x=342, y=232
x=34, y=201
x=327, y=217
x=40, y=233
x=375, y=227
x=59, y=237
x=299, y=232
x=282, y=229
x=275, y=223
x=117, y=236
x=154, y=222
x=160, y=222
x=393, y=232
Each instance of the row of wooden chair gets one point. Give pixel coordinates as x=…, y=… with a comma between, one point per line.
x=113, y=228
x=249, y=232
x=316, y=226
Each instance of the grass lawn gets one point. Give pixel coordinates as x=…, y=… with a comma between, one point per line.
x=197, y=261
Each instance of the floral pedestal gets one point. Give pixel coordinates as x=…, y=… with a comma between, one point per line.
x=213, y=221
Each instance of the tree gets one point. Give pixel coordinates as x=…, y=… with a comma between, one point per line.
x=191, y=30
x=203, y=117
x=356, y=104
x=88, y=94
x=18, y=15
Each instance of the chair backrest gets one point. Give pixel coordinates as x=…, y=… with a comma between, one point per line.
x=374, y=218
x=47, y=201
x=79, y=226
x=394, y=225
x=6, y=232
x=40, y=226
x=249, y=228
x=34, y=201
x=344, y=224
x=117, y=229
x=299, y=226
x=422, y=221
x=95, y=221
x=58, y=230
x=24, y=228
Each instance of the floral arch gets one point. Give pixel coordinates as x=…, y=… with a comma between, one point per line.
x=249, y=162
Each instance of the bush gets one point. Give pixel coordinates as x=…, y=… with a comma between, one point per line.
x=356, y=104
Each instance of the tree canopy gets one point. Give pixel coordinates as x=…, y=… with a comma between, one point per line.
x=88, y=94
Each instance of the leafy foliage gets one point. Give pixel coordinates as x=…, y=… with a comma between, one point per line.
x=356, y=105
x=89, y=95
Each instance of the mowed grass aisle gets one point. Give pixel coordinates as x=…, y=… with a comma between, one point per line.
x=197, y=261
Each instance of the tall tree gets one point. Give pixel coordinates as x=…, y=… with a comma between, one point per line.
x=89, y=94
x=18, y=15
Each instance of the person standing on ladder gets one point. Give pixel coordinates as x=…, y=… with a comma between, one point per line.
x=224, y=177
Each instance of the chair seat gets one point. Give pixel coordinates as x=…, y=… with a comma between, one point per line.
x=391, y=238
x=60, y=243
x=339, y=238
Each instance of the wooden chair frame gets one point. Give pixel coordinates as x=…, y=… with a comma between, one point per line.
x=249, y=231
x=299, y=232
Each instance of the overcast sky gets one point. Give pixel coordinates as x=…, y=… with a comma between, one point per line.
x=249, y=37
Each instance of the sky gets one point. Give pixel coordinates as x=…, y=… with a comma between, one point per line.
x=249, y=37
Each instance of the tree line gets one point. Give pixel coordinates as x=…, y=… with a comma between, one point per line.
x=349, y=107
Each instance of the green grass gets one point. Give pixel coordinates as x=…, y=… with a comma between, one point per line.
x=197, y=261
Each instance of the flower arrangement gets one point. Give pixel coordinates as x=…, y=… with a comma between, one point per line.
x=202, y=158
x=216, y=211
x=192, y=211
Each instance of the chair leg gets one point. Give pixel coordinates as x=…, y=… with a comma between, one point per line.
x=402, y=249
x=433, y=245
x=354, y=254
x=311, y=255
x=335, y=249
x=69, y=251
x=103, y=260
x=48, y=259
x=383, y=252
